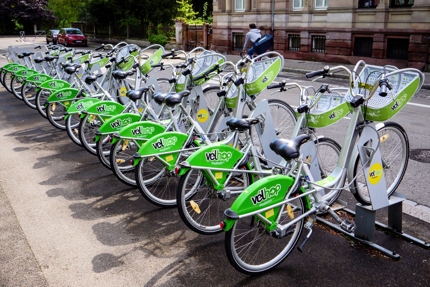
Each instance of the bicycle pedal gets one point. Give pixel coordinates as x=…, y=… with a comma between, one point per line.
x=347, y=225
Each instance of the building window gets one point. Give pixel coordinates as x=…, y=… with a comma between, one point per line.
x=294, y=42
x=363, y=46
x=321, y=4
x=397, y=48
x=368, y=3
x=318, y=44
x=297, y=4
x=239, y=5
x=401, y=3
x=238, y=41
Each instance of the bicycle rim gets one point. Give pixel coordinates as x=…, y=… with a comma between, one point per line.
x=252, y=250
x=72, y=128
x=28, y=92
x=394, y=148
x=121, y=160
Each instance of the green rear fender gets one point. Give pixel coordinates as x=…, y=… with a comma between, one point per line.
x=105, y=108
x=168, y=143
x=216, y=155
x=80, y=105
x=116, y=123
x=263, y=193
x=139, y=131
x=38, y=78
x=54, y=84
x=63, y=95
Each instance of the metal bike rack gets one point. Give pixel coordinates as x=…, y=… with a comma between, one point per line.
x=365, y=223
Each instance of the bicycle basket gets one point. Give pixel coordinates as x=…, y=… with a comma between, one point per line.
x=405, y=83
x=205, y=61
x=329, y=110
x=155, y=58
x=261, y=73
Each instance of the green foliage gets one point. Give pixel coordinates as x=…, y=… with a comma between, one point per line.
x=158, y=39
x=187, y=13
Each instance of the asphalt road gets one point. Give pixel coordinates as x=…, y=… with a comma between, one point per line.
x=67, y=221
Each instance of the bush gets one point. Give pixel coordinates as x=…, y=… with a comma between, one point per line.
x=158, y=39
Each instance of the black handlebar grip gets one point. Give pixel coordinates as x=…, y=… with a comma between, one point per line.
x=315, y=73
x=99, y=48
x=274, y=86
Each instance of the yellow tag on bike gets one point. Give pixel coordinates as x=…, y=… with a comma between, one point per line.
x=125, y=144
x=383, y=138
x=195, y=206
x=290, y=211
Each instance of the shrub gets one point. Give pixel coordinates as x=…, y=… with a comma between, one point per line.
x=158, y=39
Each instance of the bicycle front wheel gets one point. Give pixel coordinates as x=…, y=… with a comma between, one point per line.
x=7, y=80
x=15, y=87
x=41, y=97
x=252, y=250
x=200, y=206
x=394, y=148
x=103, y=147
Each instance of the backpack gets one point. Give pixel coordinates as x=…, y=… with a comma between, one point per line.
x=262, y=44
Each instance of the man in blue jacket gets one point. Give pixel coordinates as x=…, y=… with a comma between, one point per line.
x=253, y=35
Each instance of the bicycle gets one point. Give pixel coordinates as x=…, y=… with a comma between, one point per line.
x=155, y=172
x=207, y=186
x=265, y=222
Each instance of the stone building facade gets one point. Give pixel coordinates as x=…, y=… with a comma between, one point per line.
x=395, y=32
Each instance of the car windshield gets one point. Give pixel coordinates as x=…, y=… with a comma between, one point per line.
x=74, y=32
x=55, y=31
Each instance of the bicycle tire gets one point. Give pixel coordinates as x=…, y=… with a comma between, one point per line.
x=121, y=160
x=328, y=151
x=284, y=120
x=88, y=127
x=28, y=93
x=103, y=147
x=41, y=97
x=55, y=115
x=15, y=87
x=394, y=147
x=199, y=206
x=72, y=128
x=157, y=184
x=253, y=251
x=7, y=79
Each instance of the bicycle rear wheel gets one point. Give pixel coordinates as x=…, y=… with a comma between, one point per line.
x=15, y=87
x=252, y=250
x=88, y=127
x=121, y=160
x=72, y=128
x=7, y=80
x=394, y=148
x=41, y=97
x=200, y=205
x=103, y=148
x=55, y=114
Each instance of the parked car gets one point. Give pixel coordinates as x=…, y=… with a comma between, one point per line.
x=51, y=36
x=71, y=37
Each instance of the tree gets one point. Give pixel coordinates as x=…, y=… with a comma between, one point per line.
x=66, y=11
x=27, y=12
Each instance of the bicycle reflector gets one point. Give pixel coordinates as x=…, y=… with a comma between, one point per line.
x=222, y=225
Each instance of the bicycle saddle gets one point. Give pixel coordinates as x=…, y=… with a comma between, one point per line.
x=121, y=75
x=50, y=58
x=72, y=69
x=92, y=78
x=288, y=149
x=135, y=95
x=242, y=124
x=26, y=53
x=175, y=98
x=38, y=60
x=159, y=97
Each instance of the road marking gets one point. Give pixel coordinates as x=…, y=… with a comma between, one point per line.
x=419, y=105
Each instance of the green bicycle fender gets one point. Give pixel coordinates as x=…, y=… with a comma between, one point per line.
x=105, y=109
x=38, y=78
x=116, y=123
x=16, y=69
x=80, y=105
x=139, y=131
x=64, y=96
x=8, y=66
x=263, y=193
x=25, y=73
x=216, y=155
x=54, y=84
x=152, y=60
x=170, y=143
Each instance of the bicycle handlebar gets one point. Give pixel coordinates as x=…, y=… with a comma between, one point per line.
x=207, y=73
